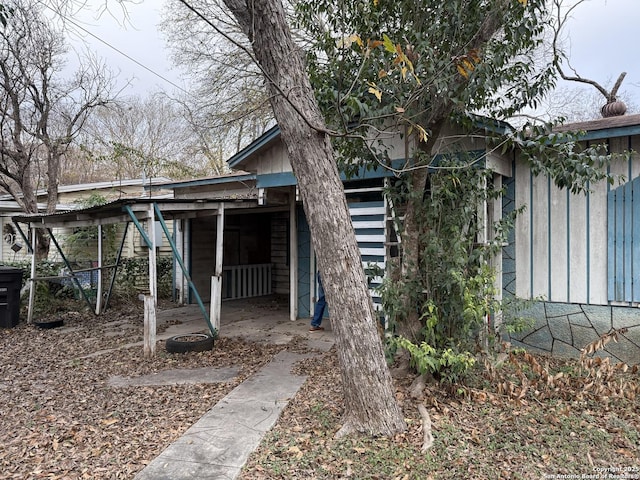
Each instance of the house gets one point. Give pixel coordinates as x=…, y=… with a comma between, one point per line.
x=70, y=197
x=267, y=248
x=579, y=255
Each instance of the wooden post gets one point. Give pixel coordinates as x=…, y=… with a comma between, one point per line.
x=179, y=227
x=149, y=326
x=99, y=286
x=293, y=259
x=32, y=282
x=151, y=300
x=153, y=276
x=216, y=280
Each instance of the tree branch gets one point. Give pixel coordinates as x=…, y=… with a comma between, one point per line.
x=243, y=13
x=558, y=55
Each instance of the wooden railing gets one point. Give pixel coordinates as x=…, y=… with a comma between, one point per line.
x=244, y=281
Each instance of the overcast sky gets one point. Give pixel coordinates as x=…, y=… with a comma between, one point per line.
x=132, y=48
x=602, y=44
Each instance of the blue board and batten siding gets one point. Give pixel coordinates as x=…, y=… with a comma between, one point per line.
x=305, y=259
x=623, y=234
x=564, y=241
x=579, y=255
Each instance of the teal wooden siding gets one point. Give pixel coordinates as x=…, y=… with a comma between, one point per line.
x=623, y=242
x=304, y=265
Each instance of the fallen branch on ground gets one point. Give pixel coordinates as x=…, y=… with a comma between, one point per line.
x=426, y=428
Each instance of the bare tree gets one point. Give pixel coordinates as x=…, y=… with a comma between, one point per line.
x=40, y=115
x=147, y=137
x=229, y=100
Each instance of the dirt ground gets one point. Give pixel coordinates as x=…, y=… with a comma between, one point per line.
x=62, y=418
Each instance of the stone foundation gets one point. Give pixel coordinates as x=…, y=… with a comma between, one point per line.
x=562, y=329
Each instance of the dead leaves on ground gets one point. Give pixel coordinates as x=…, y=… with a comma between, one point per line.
x=521, y=375
x=61, y=420
x=524, y=416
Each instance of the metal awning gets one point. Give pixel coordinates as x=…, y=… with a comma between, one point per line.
x=135, y=211
x=119, y=212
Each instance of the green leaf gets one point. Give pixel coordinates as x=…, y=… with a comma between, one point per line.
x=389, y=46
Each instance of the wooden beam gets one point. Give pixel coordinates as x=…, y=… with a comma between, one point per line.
x=149, y=346
x=151, y=233
x=216, y=280
x=99, y=286
x=151, y=300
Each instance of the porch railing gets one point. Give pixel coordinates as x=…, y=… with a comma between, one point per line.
x=244, y=281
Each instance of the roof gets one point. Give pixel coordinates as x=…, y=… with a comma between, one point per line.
x=8, y=206
x=143, y=182
x=235, y=176
x=81, y=187
x=118, y=212
x=622, y=126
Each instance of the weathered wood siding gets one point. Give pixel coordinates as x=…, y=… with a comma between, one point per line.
x=561, y=238
x=273, y=159
x=280, y=252
x=368, y=212
x=203, y=254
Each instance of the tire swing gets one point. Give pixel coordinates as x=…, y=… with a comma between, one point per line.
x=189, y=342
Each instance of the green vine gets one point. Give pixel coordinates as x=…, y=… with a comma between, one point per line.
x=454, y=293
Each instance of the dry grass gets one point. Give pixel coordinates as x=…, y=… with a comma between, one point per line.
x=481, y=430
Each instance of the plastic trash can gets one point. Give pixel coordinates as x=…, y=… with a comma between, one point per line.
x=10, y=284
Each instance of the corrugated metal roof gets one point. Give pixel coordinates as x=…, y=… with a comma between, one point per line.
x=116, y=212
x=82, y=187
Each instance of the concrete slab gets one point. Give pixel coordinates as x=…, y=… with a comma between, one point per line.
x=219, y=444
x=182, y=376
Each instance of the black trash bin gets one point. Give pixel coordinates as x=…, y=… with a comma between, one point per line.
x=10, y=284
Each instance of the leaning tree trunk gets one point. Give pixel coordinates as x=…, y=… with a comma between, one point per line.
x=370, y=401
x=410, y=326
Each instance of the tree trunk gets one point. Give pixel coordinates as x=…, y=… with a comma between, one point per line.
x=370, y=401
x=410, y=327
x=30, y=205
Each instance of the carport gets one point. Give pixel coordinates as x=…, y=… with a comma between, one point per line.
x=144, y=214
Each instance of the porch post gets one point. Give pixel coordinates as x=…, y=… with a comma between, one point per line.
x=216, y=280
x=32, y=286
x=293, y=259
x=181, y=246
x=149, y=344
x=151, y=300
x=153, y=277
x=99, y=286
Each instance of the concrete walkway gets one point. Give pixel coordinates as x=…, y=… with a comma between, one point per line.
x=219, y=444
